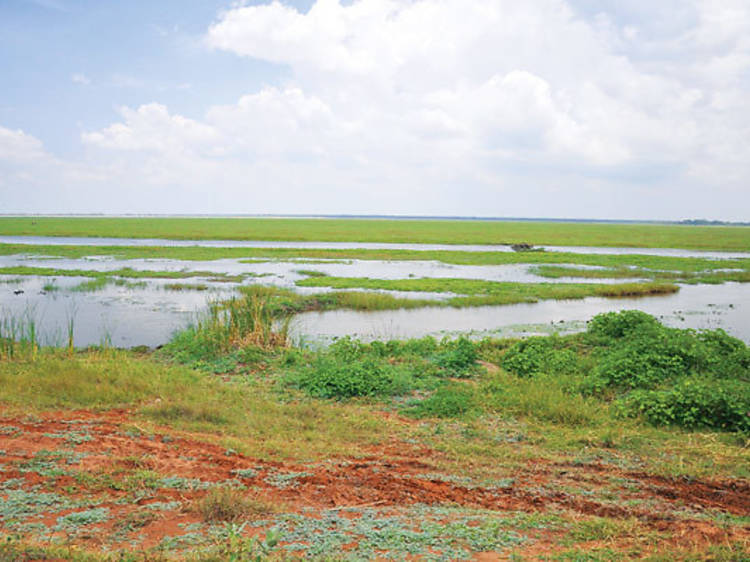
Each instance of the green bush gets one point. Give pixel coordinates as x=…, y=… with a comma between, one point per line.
x=330, y=377
x=695, y=403
x=459, y=357
x=661, y=355
x=539, y=355
x=616, y=325
x=633, y=367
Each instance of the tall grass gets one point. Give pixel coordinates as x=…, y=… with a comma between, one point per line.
x=240, y=322
x=19, y=336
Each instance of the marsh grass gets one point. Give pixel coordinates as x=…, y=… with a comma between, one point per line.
x=481, y=293
x=692, y=277
x=19, y=335
x=384, y=230
x=185, y=287
x=456, y=257
x=247, y=321
x=50, y=287
x=284, y=302
x=104, y=277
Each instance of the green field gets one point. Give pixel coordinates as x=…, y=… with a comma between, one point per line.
x=727, y=238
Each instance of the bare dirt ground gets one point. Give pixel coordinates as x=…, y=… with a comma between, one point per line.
x=147, y=482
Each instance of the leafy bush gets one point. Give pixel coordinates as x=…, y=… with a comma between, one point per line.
x=331, y=377
x=459, y=356
x=616, y=325
x=670, y=376
x=695, y=403
x=537, y=355
x=634, y=367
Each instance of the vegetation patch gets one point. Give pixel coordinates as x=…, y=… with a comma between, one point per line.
x=670, y=376
x=482, y=293
x=226, y=504
x=383, y=230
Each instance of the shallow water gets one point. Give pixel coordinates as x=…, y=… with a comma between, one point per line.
x=286, y=273
x=148, y=315
x=695, y=306
x=82, y=241
x=120, y=316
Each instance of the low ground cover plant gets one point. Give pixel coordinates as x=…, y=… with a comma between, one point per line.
x=667, y=375
x=626, y=364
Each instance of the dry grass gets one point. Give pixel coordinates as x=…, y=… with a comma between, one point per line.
x=225, y=504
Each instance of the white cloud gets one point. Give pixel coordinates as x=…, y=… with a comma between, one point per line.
x=17, y=146
x=151, y=127
x=544, y=107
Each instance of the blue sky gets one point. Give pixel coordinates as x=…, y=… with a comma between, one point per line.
x=557, y=108
x=122, y=53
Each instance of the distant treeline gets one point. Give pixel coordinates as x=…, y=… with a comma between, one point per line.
x=704, y=222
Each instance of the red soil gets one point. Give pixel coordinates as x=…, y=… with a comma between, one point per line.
x=392, y=476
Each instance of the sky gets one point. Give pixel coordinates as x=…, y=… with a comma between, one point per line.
x=611, y=109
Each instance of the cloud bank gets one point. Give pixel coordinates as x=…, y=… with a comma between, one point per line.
x=453, y=107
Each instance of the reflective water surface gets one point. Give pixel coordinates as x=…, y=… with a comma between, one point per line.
x=149, y=313
x=696, y=306
x=83, y=241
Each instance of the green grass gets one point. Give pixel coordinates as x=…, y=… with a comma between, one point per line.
x=479, y=292
x=185, y=287
x=456, y=257
x=286, y=302
x=403, y=231
x=188, y=400
x=102, y=278
x=706, y=276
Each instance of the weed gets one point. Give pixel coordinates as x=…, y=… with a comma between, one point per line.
x=71, y=522
x=225, y=504
x=450, y=401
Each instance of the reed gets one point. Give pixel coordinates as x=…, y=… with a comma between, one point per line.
x=19, y=336
x=251, y=320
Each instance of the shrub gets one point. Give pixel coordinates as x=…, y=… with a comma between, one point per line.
x=695, y=403
x=331, y=377
x=658, y=355
x=459, y=356
x=616, y=325
x=633, y=367
x=538, y=355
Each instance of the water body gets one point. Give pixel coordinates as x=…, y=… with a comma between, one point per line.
x=149, y=315
x=120, y=316
x=82, y=241
x=695, y=306
x=286, y=273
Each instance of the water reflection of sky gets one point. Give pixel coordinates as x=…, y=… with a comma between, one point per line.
x=149, y=314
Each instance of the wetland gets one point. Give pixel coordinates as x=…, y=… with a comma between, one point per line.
x=218, y=389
